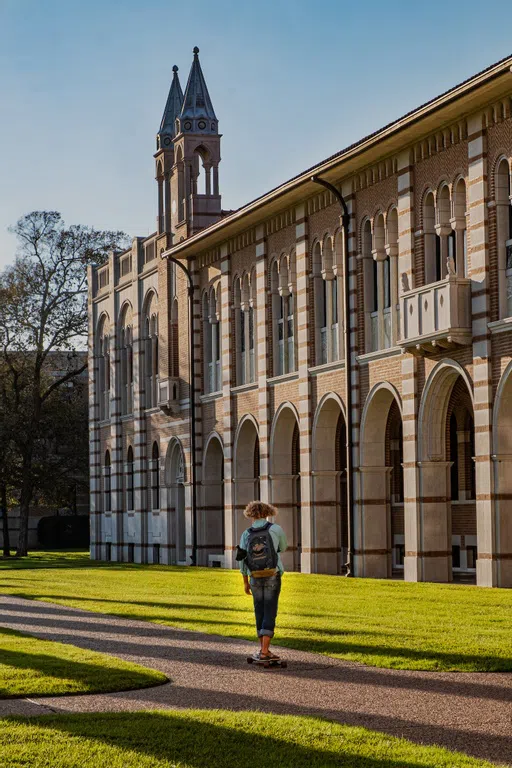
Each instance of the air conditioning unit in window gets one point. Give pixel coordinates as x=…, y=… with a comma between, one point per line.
x=169, y=394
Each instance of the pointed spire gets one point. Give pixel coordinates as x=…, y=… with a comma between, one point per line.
x=197, y=104
x=172, y=110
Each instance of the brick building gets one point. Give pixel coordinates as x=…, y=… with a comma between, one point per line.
x=429, y=258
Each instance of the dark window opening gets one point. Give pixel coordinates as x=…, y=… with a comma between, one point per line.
x=455, y=556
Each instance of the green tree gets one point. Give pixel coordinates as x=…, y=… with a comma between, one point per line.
x=43, y=311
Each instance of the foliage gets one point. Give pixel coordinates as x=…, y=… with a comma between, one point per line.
x=43, y=325
x=380, y=623
x=33, y=667
x=216, y=738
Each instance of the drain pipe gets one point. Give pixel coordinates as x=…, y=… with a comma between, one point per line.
x=345, y=220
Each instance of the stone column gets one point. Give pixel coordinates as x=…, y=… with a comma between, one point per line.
x=435, y=525
x=326, y=521
x=139, y=522
x=488, y=562
x=94, y=432
x=304, y=361
x=264, y=340
x=406, y=282
x=116, y=444
x=375, y=521
x=231, y=529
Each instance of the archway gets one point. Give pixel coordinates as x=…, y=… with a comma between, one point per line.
x=329, y=479
x=380, y=535
x=176, y=504
x=246, y=471
x=285, y=480
x=210, y=533
x=447, y=526
x=501, y=542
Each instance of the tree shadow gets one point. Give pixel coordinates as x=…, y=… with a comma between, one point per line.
x=85, y=677
x=216, y=743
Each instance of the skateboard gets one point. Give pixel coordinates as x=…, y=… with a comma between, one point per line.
x=267, y=663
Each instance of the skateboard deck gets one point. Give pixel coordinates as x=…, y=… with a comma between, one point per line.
x=267, y=663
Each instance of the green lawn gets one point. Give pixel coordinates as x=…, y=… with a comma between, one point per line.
x=380, y=623
x=217, y=739
x=33, y=667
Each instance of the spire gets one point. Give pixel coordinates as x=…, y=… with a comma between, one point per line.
x=172, y=110
x=197, y=113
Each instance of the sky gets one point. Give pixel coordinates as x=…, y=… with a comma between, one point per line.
x=83, y=85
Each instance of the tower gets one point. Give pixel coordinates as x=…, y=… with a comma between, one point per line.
x=195, y=198
x=164, y=156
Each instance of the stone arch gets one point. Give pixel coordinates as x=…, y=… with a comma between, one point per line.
x=329, y=486
x=246, y=469
x=175, y=476
x=285, y=478
x=210, y=534
x=447, y=524
x=379, y=532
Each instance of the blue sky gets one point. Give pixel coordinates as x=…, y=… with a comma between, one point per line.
x=83, y=87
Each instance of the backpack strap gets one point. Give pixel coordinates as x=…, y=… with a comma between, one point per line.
x=261, y=528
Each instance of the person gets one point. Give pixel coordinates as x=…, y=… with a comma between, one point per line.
x=261, y=567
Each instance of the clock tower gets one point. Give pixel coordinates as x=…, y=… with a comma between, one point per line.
x=164, y=156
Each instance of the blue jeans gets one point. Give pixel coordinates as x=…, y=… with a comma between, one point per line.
x=265, y=594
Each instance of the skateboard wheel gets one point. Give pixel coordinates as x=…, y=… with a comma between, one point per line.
x=284, y=664
x=250, y=659
x=266, y=665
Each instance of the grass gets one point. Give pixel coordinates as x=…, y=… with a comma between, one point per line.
x=33, y=667
x=380, y=623
x=217, y=739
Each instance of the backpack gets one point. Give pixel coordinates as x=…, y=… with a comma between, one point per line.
x=261, y=553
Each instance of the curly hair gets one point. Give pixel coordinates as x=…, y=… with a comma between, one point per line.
x=256, y=510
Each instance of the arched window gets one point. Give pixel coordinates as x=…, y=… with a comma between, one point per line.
x=103, y=351
x=155, y=477
x=212, y=341
x=432, y=241
x=370, y=289
x=129, y=480
x=504, y=235
x=457, y=243
x=201, y=172
x=107, y=489
x=126, y=362
x=282, y=287
x=151, y=353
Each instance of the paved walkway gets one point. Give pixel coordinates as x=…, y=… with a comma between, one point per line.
x=471, y=713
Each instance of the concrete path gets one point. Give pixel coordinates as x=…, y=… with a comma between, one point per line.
x=471, y=713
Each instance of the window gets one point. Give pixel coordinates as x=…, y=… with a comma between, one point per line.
x=244, y=302
x=212, y=341
x=503, y=192
x=325, y=277
x=107, y=490
x=126, y=363
x=129, y=480
x=104, y=371
x=155, y=477
x=283, y=315
x=151, y=358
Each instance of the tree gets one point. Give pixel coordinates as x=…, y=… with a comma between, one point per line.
x=43, y=311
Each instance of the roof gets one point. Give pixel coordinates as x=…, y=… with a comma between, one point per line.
x=197, y=102
x=172, y=107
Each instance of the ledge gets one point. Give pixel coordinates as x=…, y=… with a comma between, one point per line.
x=335, y=365
x=244, y=387
x=500, y=326
x=380, y=354
x=210, y=397
x=283, y=378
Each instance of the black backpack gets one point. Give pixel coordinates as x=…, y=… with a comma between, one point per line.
x=261, y=553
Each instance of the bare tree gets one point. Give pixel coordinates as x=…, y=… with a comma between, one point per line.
x=43, y=311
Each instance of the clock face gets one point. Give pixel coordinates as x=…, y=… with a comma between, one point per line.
x=173, y=207
x=167, y=141
x=188, y=125
x=201, y=124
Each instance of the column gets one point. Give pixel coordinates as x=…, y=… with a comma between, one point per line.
x=488, y=562
x=138, y=524
x=94, y=432
x=406, y=282
x=264, y=340
x=435, y=525
x=232, y=513
x=116, y=444
x=376, y=521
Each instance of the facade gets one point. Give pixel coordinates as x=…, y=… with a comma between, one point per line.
x=429, y=266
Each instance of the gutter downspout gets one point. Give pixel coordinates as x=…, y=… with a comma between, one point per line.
x=193, y=473
x=345, y=219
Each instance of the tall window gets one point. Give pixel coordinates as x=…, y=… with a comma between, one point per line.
x=155, y=477
x=380, y=272
x=283, y=315
x=129, y=480
x=432, y=241
x=457, y=243
x=151, y=354
x=325, y=277
x=212, y=341
x=126, y=363
x=244, y=308
x=107, y=489
x=103, y=343
x=503, y=193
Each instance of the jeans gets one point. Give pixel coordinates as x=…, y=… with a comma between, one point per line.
x=265, y=594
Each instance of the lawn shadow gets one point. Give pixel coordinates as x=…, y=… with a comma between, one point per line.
x=195, y=743
x=94, y=678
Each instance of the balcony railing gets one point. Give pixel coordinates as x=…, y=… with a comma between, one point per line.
x=436, y=316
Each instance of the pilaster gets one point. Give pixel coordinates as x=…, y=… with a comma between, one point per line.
x=264, y=337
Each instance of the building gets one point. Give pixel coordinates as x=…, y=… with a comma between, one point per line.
x=430, y=328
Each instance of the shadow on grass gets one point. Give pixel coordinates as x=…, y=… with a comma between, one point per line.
x=86, y=677
x=196, y=743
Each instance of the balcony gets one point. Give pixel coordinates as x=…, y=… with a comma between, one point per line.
x=436, y=316
x=168, y=394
